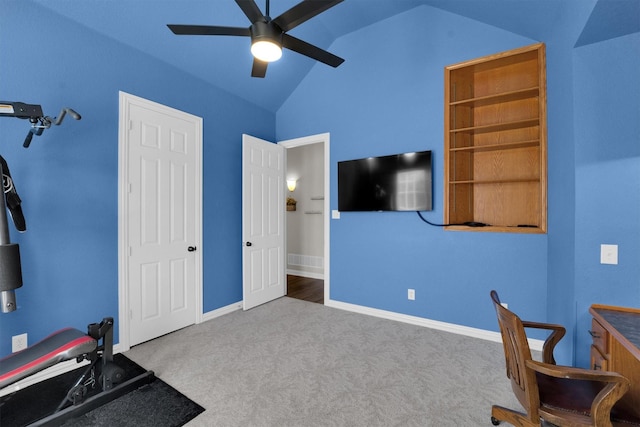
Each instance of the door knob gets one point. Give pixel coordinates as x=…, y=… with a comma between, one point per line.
x=249, y=243
x=191, y=248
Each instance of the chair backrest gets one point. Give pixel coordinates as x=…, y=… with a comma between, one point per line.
x=517, y=352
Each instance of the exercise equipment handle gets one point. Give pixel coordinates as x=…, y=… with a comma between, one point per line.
x=27, y=140
x=63, y=112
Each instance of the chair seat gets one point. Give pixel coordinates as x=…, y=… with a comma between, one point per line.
x=571, y=396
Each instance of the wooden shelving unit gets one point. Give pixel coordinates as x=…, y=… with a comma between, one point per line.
x=496, y=142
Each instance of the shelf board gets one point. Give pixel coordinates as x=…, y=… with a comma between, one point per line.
x=493, y=181
x=498, y=126
x=501, y=146
x=497, y=229
x=498, y=98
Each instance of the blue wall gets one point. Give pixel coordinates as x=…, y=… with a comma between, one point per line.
x=68, y=178
x=391, y=91
x=388, y=98
x=607, y=129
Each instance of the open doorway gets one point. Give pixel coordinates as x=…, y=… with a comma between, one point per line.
x=306, y=219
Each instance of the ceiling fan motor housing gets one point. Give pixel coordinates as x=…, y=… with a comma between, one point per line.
x=266, y=31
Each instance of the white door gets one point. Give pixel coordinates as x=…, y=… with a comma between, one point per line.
x=163, y=149
x=263, y=212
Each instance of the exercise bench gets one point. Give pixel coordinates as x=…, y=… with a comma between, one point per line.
x=102, y=376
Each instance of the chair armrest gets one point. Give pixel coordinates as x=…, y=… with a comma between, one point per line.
x=570, y=372
x=557, y=332
x=614, y=386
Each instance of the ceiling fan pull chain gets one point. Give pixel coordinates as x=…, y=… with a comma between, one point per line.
x=267, y=11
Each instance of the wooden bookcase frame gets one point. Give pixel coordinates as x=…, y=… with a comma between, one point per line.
x=495, y=142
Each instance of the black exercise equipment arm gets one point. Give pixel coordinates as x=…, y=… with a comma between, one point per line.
x=10, y=268
x=33, y=112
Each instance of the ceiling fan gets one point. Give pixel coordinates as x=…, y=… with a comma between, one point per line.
x=269, y=36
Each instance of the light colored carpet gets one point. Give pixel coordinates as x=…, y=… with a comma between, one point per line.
x=295, y=363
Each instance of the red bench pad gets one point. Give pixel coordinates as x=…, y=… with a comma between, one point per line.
x=62, y=345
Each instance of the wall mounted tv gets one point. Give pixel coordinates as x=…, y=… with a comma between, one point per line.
x=400, y=182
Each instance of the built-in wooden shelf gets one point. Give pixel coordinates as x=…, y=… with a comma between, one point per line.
x=496, y=142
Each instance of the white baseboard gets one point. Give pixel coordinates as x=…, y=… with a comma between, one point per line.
x=308, y=274
x=534, y=344
x=210, y=315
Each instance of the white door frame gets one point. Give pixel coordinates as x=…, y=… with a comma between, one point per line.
x=125, y=100
x=308, y=140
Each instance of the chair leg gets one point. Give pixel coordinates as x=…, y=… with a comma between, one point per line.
x=517, y=419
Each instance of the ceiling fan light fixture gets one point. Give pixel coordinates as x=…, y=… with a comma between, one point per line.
x=266, y=41
x=266, y=50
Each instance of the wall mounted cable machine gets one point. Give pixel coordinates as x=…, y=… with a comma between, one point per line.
x=33, y=112
x=10, y=264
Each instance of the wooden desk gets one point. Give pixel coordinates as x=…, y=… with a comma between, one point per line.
x=616, y=348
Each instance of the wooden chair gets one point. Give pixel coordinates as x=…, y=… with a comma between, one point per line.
x=561, y=395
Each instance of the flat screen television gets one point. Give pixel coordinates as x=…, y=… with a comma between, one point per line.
x=400, y=182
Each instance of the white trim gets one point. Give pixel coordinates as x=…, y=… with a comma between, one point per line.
x=305, y=261
x=123, y=296
x=126, y=99
x=308, y=140
x=210, y=315
x=534, y=344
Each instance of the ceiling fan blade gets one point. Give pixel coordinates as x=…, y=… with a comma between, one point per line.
x=259, y=68
x=302, y=12
x=208, y=30
x=310, y=50
x=251, y=9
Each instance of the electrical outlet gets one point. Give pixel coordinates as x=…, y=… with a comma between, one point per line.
x=18, y=342
x=411, y=294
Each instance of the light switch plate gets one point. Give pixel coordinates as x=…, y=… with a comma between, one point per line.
x=335, y=214
x=609, y=254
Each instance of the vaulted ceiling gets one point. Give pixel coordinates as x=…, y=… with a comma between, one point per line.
x=226, y=61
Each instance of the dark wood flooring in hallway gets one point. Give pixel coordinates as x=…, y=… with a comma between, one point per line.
x=305, y=288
